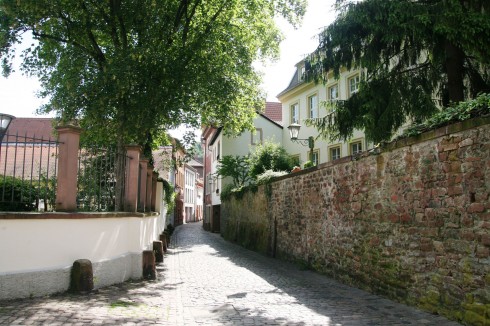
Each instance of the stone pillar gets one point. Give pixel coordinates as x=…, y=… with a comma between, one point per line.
x=149, y=187
x=66, y=193
x=82, y=276
x=149, y=268
x=159, y=207
x=143, y=171
x=163, y=239
x=158, y=249
x=154, y=190
x=131, y=191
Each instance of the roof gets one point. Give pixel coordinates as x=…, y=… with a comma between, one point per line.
x=215, y=136
x=295, y=81
x=273, y=111
x=268, y=119
x=31, y=127
x=194, y=163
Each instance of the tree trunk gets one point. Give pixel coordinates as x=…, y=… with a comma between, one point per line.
x=454, y=69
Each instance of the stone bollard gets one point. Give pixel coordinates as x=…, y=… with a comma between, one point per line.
x=149, y=268
x=158, y=250
x=167, y=235
x=82, y=276
x=163, y=239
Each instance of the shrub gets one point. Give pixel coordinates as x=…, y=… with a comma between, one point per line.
x=236, y=167
x=226, y=192
x=17, y=195
x=268, y=176
x=480, y=106
x=269, y=156
x=308, y=164
x=168, y=195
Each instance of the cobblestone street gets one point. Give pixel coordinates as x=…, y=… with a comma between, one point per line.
x=208, y=281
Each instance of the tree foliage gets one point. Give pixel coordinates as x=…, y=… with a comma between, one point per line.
x=415, y=55
x=130, y=70
x=269, y=156
x=236, y=167
x=478, y=107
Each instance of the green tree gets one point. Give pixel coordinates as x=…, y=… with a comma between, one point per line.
x=269, y=156
x=130, y=70
x=235, y=167
x=409, y=52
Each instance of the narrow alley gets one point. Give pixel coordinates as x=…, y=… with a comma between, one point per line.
x=205, y=280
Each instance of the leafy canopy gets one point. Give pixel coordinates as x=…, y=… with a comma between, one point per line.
x=130, y=70
x=269, y=156
x=415, y=55
x=236, y=167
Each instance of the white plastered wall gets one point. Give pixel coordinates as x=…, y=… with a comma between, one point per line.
x=36, y=254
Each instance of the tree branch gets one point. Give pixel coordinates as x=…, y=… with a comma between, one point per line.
x=61, y=40
x=109, y=21
x=100, y=57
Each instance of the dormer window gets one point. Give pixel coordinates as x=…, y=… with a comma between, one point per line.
x=301, y=72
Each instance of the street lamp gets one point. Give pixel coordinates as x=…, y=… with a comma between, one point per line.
x=5, y=120
x=293, y=134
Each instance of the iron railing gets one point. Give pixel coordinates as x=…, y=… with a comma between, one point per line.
x=101, y=179
x=28, y=173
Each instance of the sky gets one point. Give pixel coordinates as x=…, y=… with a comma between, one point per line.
x=18, y=92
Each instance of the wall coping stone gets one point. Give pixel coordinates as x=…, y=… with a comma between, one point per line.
x=71, y=215
x=395, y=144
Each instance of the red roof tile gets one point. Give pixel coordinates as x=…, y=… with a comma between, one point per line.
x=273, y=110
x=31, y=127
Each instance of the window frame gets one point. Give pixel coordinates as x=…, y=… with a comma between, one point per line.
x=309, y=107
x=315, y=152
x=333, y=147
x=295, y=104
x=353, y=77
x=301, y=72
x=258, y=131
x=331, y=86
x=296, y=157
x=354, y=142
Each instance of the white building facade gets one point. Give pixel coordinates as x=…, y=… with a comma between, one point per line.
x=190, y=193
x=302, y=101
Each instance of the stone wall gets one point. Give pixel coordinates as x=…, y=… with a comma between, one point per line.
x=411, y=222
x=246, y=221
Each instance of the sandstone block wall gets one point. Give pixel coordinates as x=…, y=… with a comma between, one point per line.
x=246, y=221
x=411, y=223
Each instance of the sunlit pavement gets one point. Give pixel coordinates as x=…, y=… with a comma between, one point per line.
x=205, y=280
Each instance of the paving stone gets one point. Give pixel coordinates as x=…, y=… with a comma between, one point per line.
x=205, y=280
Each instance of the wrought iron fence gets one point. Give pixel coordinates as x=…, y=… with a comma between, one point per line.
x=101, y=179
x=28, y=173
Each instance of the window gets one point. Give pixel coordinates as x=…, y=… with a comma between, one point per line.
x=209, y=186
x=295, y=159
x=353, y=84
x=217, y=151
x=256, y=137
x=355, y=147
x=334, y=153
x=315, y=158
x=333, y=92
x=313, y=106
x=301, y=72
x=295, y=113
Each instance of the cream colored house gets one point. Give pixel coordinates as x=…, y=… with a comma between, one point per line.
x=216, y=145
x=301, y=101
